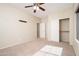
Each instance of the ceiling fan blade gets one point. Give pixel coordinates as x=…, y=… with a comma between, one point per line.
x=29, y=6
x=34, y=11
x=41, y=8
x=41, y=3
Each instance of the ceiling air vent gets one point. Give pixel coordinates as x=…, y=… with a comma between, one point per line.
x=23, y=21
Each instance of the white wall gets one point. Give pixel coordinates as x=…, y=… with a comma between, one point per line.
x=53, y=28
x=42, y=30
x=53, y=24
x=12, y=31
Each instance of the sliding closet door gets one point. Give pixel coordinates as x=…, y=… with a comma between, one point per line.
x=64, y=30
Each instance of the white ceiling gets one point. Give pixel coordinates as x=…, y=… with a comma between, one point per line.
x=50, y=8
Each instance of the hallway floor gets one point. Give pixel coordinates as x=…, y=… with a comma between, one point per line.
x=30, y=48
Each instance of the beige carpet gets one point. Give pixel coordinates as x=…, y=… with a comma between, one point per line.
x=30, y=48
x=49, y=50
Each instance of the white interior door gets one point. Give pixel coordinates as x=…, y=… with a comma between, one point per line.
x=42, y=30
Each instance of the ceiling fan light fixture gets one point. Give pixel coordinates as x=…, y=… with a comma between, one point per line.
x=36, y=8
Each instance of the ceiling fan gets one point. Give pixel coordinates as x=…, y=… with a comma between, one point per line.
x=36, y=6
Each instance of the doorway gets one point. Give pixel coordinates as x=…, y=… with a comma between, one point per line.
x=64, y=30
